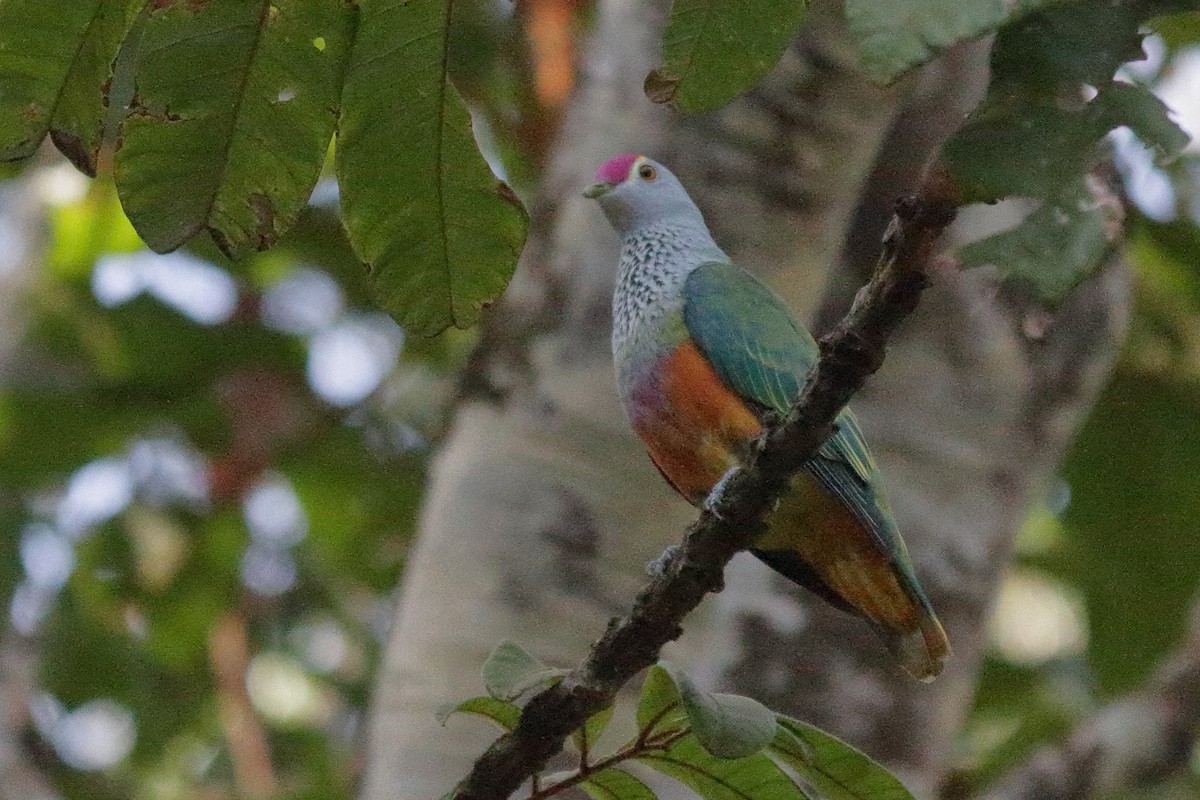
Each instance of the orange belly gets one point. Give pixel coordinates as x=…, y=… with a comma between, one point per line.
x=693, y=426
x=695, y=429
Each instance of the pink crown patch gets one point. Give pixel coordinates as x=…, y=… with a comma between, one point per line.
x=615, y=170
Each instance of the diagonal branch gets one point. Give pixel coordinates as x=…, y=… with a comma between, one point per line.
x=850, y=353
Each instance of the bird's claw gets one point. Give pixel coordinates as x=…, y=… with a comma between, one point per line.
x=713, y=501
x=659, y=566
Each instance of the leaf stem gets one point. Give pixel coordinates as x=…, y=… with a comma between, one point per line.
x=644, y=733
x=640, y=746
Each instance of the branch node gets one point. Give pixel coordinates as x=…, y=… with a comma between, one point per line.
x=907, y=207
x=661, y=567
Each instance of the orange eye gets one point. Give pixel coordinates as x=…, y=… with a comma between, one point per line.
x=647, y=172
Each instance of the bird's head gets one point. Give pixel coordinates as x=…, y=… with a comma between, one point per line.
x=635, y=191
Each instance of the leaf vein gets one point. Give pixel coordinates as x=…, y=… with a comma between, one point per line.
x=439, y=164
x=688, y=767
x=236, y=112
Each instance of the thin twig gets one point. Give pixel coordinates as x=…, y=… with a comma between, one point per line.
x=638, y=748
x=653, y=723
x=850, y=353
x=249, y=751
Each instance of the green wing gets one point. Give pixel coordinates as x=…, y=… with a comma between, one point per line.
x=763, y=354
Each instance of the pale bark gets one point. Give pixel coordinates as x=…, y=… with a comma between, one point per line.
x=541, y=511
x=542, y=508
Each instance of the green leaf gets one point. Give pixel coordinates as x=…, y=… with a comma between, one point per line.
x=1017, y=144
x=1012, y=145
x=1035, y=135
x=616, y=784
x=1024, y=139
x=234, y=106
x=896, y=35
x=1178, y=31
x=509, y=672
x=77, y=127
x=754, y=777
x=714, y=50
x=607, y=784
x=1122, y=104
x=730, y=725
x=503, y=714
x=593, y=729
x=834, y=768
x=727, y=725
x=53, y=70
x=1080, y=42
x=439, y=233
x=1054, y=247
x=660, y=708
x=1123, y=550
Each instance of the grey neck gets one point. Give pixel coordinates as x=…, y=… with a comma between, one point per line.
x=655, y=262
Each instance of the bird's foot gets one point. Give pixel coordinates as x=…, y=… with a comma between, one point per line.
x=713, y=501
x=659, y=566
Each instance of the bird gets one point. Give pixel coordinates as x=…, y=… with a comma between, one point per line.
x=706, y=355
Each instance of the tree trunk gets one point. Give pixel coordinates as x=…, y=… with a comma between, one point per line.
x=542, y=508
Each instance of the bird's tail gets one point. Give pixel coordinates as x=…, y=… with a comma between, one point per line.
x=922, y=651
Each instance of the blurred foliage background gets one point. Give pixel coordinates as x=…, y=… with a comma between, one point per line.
x=1106, y=574
x=210, y=475
x=210, y=472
